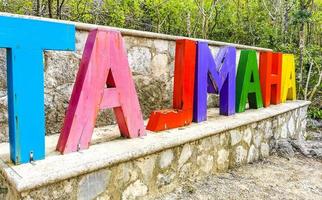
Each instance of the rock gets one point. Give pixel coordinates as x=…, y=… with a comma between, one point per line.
x=314, y=123
x=291, y=127
x=301, y=147
x=91, y=185
x=252, y=154
x=159, y=65
x=131, y=41
x=317, y=153
x=241, y=154
x=212, y=101
x=277, y=134
x=314, y=135
x=281, y=119
x=284, y=131
x=215, y=141
x=264, y=149
x=128, y=172
x=268, y=130
x=214, y=50
x=166, y=158
x=257, y=137
x=172, y=49
x=3, y=69
x=205, y=162
x=235, y=137
x=303, y=124
x=56, y=64
x=185, y=155
x=135, y=190
x=80, y=40
x=68, y=188
x=303, y=112
x=185, y=170
x=146, y=166
x=247, y=136
x=308, y=148
x=140, y=59
x=205, y=145
x=165, y=179
x=284, y=149
x=223, y=139
x=222, y=159
x=161, y=46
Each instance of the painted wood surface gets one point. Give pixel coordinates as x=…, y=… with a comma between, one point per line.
x=214, y=76
x=181, y=114
x=288, y=88
x=270, y=70
x=248, y=83
x=104, y=80
x=25, y=41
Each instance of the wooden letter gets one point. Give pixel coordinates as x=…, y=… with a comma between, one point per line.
x=103, y=81
x=288, y=89
x=218, y=75
x=184, y=74
x=270, y=66
x=25, y=41
x=248, y=85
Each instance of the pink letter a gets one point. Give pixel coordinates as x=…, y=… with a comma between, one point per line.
x=103, y=81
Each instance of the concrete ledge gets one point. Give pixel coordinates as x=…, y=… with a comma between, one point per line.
x=136, y=33
x=56, y=168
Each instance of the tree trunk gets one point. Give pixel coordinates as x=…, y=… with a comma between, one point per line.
x=204, y=19
x=286, y=21
x=188, y=24
x=38, y=8
x=301, y=47
x=50, y=13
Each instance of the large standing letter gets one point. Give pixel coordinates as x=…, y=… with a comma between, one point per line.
x=248, y=86
x=184, y=74
x=270, y=66
x=288, y=89
x=103, y=81
x=25, y=41
x=218, y=76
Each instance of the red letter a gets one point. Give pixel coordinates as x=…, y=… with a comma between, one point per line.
x=103, y=81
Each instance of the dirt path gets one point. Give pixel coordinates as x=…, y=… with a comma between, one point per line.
x=273, y=178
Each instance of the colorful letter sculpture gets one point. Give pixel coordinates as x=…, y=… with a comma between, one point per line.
x=103, y=81
x=270, y=66
x=248, y=84
x=25, y=41
x=288, y=87
x=218, y=76
x=181, y=114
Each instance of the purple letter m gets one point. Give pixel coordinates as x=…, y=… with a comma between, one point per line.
x=214, y=76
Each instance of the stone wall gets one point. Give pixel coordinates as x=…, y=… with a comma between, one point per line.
x=157, y=173
x=152, y=63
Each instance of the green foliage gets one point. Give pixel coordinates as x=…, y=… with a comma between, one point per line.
x=302, y=16
x=17, y=6
x=315, y=113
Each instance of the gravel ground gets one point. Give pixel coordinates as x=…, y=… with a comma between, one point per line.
x=274, y=178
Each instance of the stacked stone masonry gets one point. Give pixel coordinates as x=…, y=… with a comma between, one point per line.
x=157, y=173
